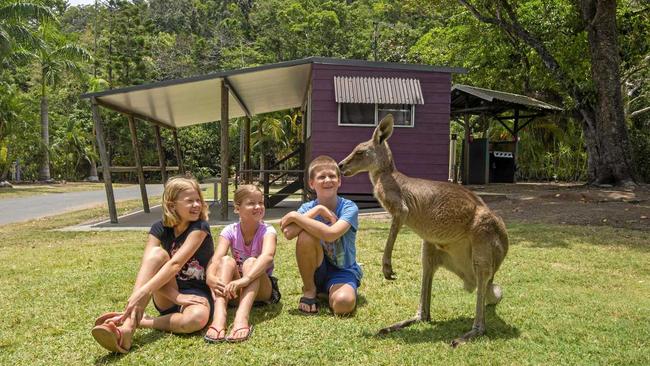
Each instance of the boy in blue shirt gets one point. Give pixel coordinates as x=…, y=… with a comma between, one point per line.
x=326, y=229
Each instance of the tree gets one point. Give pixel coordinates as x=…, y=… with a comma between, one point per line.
x=55, y=58
x=15, y=31
x=598, y=105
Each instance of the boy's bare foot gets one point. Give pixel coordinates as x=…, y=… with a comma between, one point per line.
x=308, y=305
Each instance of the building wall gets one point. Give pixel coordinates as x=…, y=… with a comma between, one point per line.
x=421, y=151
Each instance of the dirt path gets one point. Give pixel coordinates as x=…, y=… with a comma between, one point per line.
x=571, y=204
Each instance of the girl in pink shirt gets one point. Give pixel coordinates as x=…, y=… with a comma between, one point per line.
x=246, y=276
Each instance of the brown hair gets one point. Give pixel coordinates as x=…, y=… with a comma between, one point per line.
x=243, y=191
x=322, y=162
x=173, y=188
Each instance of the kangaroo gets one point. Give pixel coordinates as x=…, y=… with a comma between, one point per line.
x=459, y=231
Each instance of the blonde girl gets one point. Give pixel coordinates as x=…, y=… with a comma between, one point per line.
x=172, y=272
x=246, y=275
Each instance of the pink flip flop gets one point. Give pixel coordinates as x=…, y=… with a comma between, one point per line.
x=109, y=336
x=104, y=317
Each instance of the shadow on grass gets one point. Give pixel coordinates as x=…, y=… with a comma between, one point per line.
x=260, y=314
x=325, y=309
x=139, y=340
x=448, y=330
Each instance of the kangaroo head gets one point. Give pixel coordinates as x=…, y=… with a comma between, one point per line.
x=373, y=154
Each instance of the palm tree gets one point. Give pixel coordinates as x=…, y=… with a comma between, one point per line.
x=55, y=58
x=15, y=32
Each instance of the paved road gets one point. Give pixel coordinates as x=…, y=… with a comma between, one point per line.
x=28, y=208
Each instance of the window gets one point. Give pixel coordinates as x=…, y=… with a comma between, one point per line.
x=357, y=114
x=402, y=113
x=367, y=114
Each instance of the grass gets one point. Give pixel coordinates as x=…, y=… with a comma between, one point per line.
x=573, y=295
x=38, y=189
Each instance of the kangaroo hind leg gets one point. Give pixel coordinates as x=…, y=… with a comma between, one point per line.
x=482, y=262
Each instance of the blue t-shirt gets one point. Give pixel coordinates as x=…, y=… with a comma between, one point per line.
x=341, y=253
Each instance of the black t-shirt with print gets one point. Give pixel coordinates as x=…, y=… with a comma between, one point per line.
x=194, y=271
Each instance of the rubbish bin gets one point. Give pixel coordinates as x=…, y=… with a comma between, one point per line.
x=502, y=167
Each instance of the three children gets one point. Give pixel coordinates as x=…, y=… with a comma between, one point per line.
x=188, y=280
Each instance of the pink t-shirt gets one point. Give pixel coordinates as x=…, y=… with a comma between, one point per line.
x=240, y=251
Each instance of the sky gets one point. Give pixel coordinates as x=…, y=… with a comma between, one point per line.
x=81, y=2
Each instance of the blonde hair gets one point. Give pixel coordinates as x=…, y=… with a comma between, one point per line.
x=322, y=162
x=243, y=191
x=173, y=189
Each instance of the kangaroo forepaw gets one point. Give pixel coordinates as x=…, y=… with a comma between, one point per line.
x=388, y=272
x=400, y=325
x=475, y=332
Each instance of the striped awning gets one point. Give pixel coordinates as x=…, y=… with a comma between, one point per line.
x=377, y=90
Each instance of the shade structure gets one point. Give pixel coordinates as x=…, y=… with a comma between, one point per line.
x=267, y=88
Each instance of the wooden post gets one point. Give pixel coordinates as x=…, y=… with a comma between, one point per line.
x=515, y=129
x=138, y=163
x=179, y=155
x=225, y=149
x=161, y=155
x=106, y=164
x=468, y=132
x=248, y=176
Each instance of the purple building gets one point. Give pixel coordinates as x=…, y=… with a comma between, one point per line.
x=346, y=100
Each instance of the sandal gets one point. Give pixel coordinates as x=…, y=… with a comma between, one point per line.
x=230, y=339
x=109, y=336
x=216, y=339
x=107, y=316
x=309, y=301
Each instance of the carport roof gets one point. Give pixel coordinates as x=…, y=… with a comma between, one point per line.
x=467, y=99
x=188, y=101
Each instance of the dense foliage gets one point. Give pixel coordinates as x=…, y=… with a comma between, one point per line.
x=135, y=42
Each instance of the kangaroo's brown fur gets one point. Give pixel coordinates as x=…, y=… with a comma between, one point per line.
x=459, y=231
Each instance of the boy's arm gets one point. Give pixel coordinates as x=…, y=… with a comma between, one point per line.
x=317, y=228
x=292, y=230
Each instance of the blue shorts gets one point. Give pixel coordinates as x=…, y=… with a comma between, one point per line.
x=328, y=275
x=189, y=291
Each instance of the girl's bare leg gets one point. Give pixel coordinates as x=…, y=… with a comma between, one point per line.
x=259, y=289
x=192, y=319
x=152, y=260
x=226, y=272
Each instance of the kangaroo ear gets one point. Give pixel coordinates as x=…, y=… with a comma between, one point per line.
x=383, y=130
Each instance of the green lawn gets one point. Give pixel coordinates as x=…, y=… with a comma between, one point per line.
x=573, y=295
x=37, y=189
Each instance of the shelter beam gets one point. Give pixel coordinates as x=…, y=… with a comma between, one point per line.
x=177, y=150
x=106, y=172
x=138, y=163
x=161, y=154
x=235, y=95
x=225, y=150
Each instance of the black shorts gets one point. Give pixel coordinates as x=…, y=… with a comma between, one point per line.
x=275, y=294
x=188, y=291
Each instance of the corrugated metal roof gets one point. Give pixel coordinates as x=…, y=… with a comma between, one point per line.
x=490, y=95
x=377, y=90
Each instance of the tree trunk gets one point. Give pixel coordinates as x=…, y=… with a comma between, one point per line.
x=614, y=162
x=44, y=171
